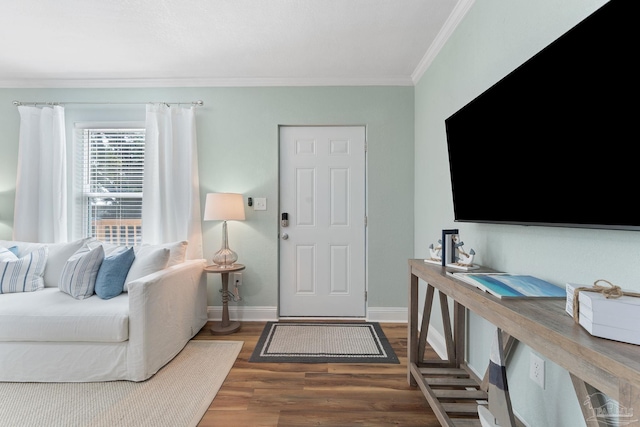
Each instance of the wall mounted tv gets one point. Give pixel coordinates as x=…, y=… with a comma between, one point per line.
x=555, y=142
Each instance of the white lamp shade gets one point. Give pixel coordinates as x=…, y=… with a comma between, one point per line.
x=224, y=207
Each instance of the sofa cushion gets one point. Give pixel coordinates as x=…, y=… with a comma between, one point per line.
x=51, y=315
x=147, y=261
x=58, y=255
x=79, y=274
x=178, y=251
x=113, y=272
x=22, y=274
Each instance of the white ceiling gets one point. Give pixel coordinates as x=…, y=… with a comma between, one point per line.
x=93, y=43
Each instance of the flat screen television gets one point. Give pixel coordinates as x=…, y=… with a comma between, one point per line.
x=555, y=142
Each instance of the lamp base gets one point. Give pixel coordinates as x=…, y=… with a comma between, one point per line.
x=225, y=258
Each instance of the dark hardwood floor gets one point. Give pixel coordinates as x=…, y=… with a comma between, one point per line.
x=327, y=394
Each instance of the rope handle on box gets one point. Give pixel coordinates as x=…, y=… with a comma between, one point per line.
x=611, y=291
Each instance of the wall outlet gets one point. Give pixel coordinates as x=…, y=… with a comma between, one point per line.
x=237, y=279
x=536, y=369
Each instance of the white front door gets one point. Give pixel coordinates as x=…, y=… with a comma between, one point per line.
x=322, y=250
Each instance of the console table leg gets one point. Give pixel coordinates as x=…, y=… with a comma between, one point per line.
x=412, y=329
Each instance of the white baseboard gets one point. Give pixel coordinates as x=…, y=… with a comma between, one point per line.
x=270, y=314
x=244, y=314
x=437, y=342
x=387, y=314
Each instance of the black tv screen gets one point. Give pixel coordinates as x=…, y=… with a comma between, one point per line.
x=555, y=142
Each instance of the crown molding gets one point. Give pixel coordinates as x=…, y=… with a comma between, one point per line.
x=201, y=82
x=458, y=13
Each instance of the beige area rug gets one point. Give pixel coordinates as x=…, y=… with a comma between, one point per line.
x=178, y=395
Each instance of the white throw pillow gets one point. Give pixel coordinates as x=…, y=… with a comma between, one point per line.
x=147, y=262
x=78, y=277
x=57, y=256
x=178, y=251
x=22, y=274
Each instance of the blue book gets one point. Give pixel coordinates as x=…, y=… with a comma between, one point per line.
x=506, y=285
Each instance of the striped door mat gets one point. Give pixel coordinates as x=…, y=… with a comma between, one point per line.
x=298, y=342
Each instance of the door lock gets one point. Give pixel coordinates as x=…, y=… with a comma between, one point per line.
x=284, y=220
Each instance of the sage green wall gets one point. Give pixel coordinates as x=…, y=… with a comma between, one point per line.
x=238, y=151
x=494, y=38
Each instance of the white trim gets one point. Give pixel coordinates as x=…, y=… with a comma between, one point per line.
x=437, y=342
x=246, y=314
x=266, y=314
x=387, y=314
x=459, y=11
x=435, y=339
x=205, y=82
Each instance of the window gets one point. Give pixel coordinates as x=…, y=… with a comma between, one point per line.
x=112, y=165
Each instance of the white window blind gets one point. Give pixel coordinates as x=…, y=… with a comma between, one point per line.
x=113, y=168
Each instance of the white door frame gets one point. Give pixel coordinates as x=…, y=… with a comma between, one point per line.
x=366, y=210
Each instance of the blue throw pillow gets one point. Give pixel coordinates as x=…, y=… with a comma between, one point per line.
x=14, y=250
x=113, y=272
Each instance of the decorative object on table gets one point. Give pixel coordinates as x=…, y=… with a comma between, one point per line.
x=435, y=253
x=224, y=207
x=506, y=285
x=452, y=253
x=605, y=310
x=449, y=238
x=462, y=259
x=301, y=342
x=225, y=326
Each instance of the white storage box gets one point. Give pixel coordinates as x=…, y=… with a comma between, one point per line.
x=612, y=318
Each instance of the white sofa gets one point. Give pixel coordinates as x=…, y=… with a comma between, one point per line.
x=49, y=336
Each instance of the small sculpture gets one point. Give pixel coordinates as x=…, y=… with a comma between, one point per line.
x=435, y=252
x=462, y=258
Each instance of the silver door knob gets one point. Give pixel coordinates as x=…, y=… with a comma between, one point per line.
x=285, y=236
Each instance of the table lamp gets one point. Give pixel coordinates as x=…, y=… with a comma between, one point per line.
x=224, y=207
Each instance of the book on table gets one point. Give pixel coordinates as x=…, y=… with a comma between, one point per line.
x=507, y=285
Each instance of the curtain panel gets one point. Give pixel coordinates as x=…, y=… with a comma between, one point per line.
x=171, y=203
x=40, y=212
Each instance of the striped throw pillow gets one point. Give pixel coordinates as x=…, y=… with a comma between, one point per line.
x=22, y=274
x=79, y=273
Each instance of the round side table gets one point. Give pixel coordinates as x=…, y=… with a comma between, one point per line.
x=226, y=326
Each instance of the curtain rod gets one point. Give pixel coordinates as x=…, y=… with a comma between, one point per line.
x=198, y=103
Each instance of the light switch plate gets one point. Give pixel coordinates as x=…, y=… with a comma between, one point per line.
x=259, y=203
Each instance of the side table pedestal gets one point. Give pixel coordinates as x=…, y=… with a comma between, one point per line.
x=225, y=326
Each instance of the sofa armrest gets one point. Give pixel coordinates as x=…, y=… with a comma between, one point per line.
x=166, y=309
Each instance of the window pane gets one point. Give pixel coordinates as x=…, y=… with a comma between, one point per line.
x=113, y=172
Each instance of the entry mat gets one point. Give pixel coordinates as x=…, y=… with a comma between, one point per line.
x=299, y=342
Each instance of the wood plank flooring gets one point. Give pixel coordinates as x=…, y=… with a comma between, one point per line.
x=327, y=394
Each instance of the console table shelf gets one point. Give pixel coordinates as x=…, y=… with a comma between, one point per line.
x=594, y=364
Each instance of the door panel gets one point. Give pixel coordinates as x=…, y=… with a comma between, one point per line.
x=322, y=189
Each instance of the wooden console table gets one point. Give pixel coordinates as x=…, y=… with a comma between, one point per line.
x=451, y=388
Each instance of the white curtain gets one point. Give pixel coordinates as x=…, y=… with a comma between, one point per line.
x=171, y=204
x=40, y=213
